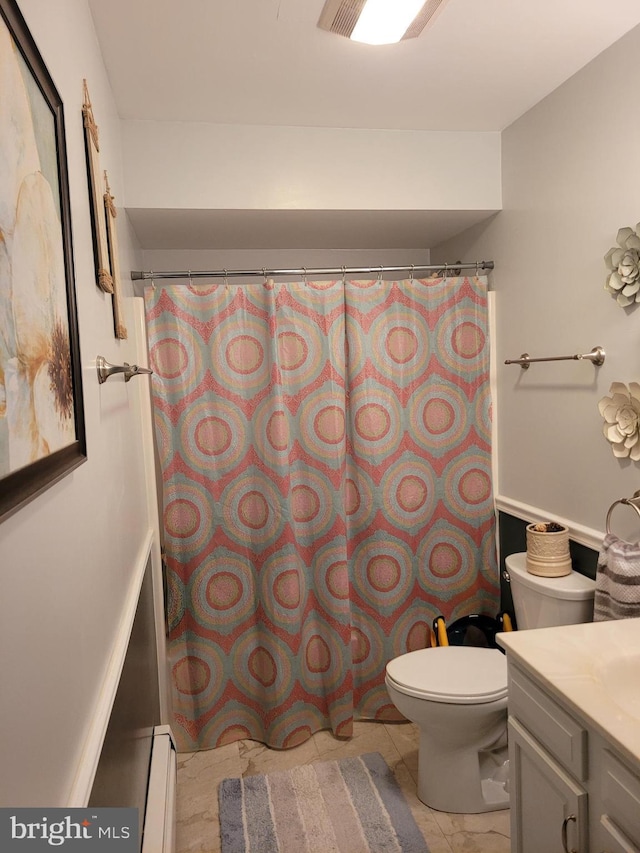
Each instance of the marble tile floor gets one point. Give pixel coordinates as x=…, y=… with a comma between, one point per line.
x=199, y=774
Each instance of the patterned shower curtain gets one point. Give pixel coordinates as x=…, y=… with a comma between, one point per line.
x=326, y=465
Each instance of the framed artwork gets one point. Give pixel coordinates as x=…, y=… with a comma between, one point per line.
x=42, y=432
x=114, y=262
x=96, y=196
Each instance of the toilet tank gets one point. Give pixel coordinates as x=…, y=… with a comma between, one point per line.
x=541, y=602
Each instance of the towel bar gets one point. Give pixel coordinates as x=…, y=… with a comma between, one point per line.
x=596, y=356
x=634, y=502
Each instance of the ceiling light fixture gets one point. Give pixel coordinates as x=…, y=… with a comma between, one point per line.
x=378, y=21
x=381, y=22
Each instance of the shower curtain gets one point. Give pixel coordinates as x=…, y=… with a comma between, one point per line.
x=326, y=465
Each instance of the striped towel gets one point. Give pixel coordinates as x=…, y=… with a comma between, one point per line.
x=617, y=580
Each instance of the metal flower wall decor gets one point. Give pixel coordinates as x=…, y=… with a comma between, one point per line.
x=623, y=263
x=621, y=413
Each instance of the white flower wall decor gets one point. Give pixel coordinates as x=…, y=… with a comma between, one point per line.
x=623, y=263
x=621, y=413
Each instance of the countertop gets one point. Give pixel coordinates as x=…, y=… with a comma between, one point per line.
x=594, y=668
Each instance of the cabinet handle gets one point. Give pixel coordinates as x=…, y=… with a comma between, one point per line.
x=565, y=824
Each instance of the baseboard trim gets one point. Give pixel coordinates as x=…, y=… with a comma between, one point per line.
x=88, y=764
x=159, y=834
x=584, y=535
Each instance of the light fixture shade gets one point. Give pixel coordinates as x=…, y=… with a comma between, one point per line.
x=341, y=16
x=384, y=22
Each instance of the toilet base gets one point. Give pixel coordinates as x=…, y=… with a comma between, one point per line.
x=462, y=754
x=463, y=782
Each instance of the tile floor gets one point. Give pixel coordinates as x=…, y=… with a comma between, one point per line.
x=199, y=774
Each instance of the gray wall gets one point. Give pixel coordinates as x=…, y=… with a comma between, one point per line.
x=571, y=179
x=123, y=770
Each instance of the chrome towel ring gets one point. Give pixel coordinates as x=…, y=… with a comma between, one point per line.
x=633, y=502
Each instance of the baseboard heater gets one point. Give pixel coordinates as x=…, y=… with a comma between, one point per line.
x=159, y=835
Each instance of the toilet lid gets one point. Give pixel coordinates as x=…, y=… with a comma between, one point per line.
x=459, y=675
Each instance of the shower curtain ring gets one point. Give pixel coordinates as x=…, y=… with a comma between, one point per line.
x=380, y=273
x=446, y=267
x=304, y=275
x=412, y=269
x=226, y=279
x=344, y=272
x=190, y=279
x=477, y=266
x=264, y=275
x=153, y=284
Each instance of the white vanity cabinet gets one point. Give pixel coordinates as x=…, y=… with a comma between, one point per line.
x=570, y=789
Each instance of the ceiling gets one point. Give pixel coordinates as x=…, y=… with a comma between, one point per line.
x=478, y=67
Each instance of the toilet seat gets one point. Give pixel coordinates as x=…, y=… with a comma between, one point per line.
x=457, y=675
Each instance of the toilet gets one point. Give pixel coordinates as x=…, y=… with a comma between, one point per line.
x=457, y=696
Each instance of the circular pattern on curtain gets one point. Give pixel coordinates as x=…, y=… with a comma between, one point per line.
x=325, y=453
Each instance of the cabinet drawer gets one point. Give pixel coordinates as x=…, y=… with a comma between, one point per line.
x=565, y=738
x=620, y=798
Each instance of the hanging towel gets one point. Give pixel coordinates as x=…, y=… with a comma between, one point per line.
x=617, y=593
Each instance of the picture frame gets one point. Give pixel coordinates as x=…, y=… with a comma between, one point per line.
x=42, y=428
x=111, y=213
x=104, y=278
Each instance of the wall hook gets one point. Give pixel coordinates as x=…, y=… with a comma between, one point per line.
x=105, y=370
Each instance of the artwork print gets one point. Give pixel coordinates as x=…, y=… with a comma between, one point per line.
x=41, y=418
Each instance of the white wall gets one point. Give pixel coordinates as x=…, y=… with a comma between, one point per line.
x=200, y=166
x=67, y=559
x=571, y=179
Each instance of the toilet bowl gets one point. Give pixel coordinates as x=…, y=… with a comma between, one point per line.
x=457, y=696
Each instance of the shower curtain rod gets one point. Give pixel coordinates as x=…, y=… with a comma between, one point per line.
x=453, y=269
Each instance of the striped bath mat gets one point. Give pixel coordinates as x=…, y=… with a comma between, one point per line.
x=349, y=806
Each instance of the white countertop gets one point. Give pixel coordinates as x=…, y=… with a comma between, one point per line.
x=594, y=668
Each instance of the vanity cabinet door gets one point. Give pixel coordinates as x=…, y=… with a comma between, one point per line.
x=548, y=807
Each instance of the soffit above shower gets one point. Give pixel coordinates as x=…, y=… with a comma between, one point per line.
x=303, y=229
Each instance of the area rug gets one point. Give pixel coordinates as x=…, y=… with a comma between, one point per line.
x=349, y=806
